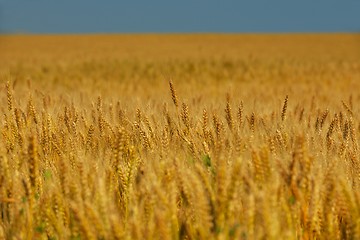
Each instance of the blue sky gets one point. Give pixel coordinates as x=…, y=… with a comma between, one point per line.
x=129, y=16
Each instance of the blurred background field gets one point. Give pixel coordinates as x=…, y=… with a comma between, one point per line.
x=77, y=62
x=121, y=65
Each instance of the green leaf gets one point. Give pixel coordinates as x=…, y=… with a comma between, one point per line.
x=40, y=228
x=47, y=174
x=207, y=160
x=292, y=200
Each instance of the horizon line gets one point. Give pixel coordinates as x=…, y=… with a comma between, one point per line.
x=181, y=33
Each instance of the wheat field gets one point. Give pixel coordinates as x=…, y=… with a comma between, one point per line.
x=180, y=136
